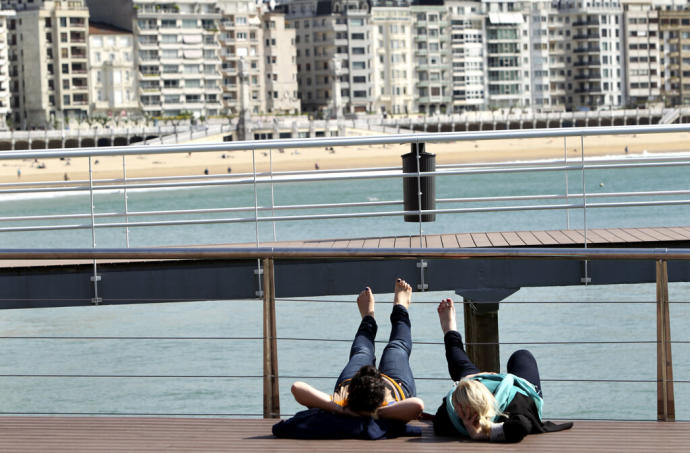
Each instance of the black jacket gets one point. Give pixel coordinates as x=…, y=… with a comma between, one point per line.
x=320, y=424
x=522, y=418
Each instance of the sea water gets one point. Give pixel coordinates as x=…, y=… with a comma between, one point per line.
x=206, y=357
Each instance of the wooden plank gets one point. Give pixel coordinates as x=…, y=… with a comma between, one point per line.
x=341, y=243
x=417, y=241
x=528, y=238
x=355, y=244
x=387, y=243
x=131, y=434
x=497, y=239
x=576, y=236
x=682, y=233
x=480, y=239
x=465, y=240
x=513, y=239
x=545, y=238
x=656, y=233
x=624, y=235
x=676, y=233
x=606, y=235
x=433, y=241
x=597, y=236
x=640, y=235
x=320, y=244
x=371, y=243
x=402, y=242
x=561, y=238
x=450, y=241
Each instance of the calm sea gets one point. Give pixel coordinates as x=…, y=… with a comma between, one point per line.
x=181, y=372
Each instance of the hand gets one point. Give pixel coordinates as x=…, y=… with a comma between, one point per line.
x=471, y=421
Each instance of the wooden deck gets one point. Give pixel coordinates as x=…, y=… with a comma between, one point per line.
x=600, y=237
x=79, y=434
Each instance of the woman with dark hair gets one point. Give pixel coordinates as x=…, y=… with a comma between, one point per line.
x=363, y=390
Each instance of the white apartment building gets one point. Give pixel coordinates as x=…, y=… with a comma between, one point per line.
x=48, y=62
x=392, y=30
x=5, y=98
x=327, y=31
x=508, y=54
x=596, y=40
x=280, y=65
x=252, y=33
x=112, y=72
x=642, y=57
x=241, y=39
x=468, y=35
x=175, y=53
x=538, y=13
x=432, y=58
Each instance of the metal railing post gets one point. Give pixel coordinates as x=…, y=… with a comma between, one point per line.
x=95, y=278
x=586, y=278
x=565, y=163
x=421, y=264
x=666, y=410
x=124, y=196
x=270, y=353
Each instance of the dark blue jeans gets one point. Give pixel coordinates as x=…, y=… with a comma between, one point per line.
x=395, y=360
x=521, y=363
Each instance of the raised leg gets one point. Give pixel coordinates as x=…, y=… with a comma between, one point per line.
x=395, y=361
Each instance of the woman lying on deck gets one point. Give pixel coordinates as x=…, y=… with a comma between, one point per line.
x=489, y=406
x=362, y=390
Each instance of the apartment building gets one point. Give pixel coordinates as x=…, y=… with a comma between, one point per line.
x=241, y=40
x=432, y=57
x=598, y=76
x=641, y=52
x=329, y=30
x=112, y=72
x=281, y=64
x=508, y=54
x=393, y=63
x=5, y=97
x=252, y=33
x=175, y=53
x=468, y=34
x=674, y=29
x=48, y=62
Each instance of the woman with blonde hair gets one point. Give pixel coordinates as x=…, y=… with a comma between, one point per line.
x=489, y=406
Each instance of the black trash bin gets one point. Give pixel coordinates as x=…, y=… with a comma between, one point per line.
x=426, y=184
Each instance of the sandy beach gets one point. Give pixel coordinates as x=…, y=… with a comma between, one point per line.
x=197, y=163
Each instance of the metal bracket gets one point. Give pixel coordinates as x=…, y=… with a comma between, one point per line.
x=96, y=300
x=422, y=266
x=95, y=278
x=258, y=272
x=586, y=280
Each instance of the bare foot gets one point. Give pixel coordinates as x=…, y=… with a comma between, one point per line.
x=446, y=314
x=403, y=293
x=365, y=303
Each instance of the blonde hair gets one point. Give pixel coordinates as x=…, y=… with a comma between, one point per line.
x=473, y=395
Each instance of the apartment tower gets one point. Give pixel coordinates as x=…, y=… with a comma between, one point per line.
x=49, y=62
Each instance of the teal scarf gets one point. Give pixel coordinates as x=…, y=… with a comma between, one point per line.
x=504, y=387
